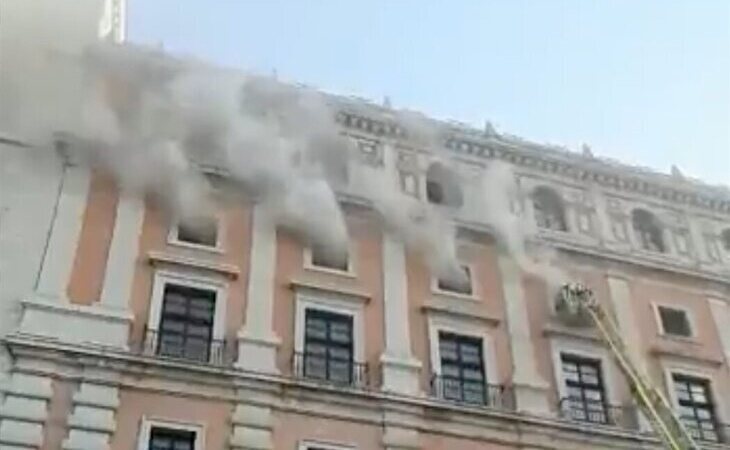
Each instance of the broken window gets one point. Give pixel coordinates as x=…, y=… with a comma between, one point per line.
x=648, y=230
x=549, y=210
x=442, y=186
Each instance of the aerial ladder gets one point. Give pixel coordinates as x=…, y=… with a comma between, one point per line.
x=577, y=301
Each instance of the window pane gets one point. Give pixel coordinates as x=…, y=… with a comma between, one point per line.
x=473, y=374
x=341, y=332
x=448, y=370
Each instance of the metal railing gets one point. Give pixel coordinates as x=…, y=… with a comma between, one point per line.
x=216, y=352
x=599, y=413
x=473, y=393
x=707, y=430
x=327, y=369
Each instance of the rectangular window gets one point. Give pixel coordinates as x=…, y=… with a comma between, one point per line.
x=674, y=321
x=696, y=408
x=409, y=183
x=584, y=385
x=459, y=286
x=462, y=369
x=202, y=231
x=328, y=346
x=171, y=439
x=186, y=323
x=330, y=258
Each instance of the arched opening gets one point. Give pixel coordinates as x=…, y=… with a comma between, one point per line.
x=725, y=238
x=549, y=210
x=648, y=230
x=442, y=186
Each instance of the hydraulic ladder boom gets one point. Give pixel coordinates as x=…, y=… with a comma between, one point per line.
x=578, y=299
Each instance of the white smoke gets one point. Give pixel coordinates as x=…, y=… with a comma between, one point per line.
x=151, y=118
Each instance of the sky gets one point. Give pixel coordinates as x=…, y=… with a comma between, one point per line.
x=645, y=82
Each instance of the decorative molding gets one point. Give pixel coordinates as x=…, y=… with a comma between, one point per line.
x=163, y=258
x=329, y=289
x=558, y=161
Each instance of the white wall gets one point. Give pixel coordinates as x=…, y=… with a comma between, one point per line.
x=29, y=181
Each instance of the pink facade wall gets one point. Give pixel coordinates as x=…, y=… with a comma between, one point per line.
x=59, y=408
x=294, y=428
x=436, y=442
x=87, y=276
x=134, y=406
x=366, y=242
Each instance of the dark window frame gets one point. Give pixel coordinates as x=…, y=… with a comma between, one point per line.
x=582, y=407
x=666, y=320
x=549, y=209
x=329, y=259
x=175, y=436
x=453, y=387
x=648, y=230
x=185, y=321
x=332, y=346
x=706, y=429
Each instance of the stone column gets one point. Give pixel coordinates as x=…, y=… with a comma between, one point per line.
x=92, y=422
x=257, y=343
x=58, y=258
x=620, y=298
x=720, y=310
x=400, y=369
x=531, y=390
x=25, y=408
x=123, y=252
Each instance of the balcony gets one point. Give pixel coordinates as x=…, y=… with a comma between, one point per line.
x=472, y=393
x=214, y=352
x=599, y=413
x=705, y=431
x=329, y=370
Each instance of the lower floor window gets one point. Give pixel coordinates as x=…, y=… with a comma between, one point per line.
x=171, y=439
x=696, y=407
x=462, y=368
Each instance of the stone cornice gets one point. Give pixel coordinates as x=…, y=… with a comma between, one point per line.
x=553, y=161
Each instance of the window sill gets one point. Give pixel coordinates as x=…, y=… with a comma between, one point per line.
x=338, y=289
x=226, y=270
x=189, y=245
x=336, y=272
x=454, y=295
x=691, y=340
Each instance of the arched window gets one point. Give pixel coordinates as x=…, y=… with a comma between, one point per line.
x=442, y=186
x=725, y=238
x=549, y=210
x=648, y=230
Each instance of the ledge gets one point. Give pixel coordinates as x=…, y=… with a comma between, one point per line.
x=468, y=311
x=332, y=288
x=584, y=333
x=695, y=357
x=227, y=270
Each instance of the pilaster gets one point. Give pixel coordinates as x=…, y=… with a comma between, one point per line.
x=252, y=428
x=92, y=422
x=257, y=343
x=531, y=390
x=24, y=410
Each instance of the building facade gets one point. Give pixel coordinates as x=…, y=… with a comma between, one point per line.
x=139, y=332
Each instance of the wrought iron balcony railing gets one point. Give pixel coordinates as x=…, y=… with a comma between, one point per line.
x=707, y=430
x=472, y=393
x=599, y=413
x=327, y=369
x=216, y=352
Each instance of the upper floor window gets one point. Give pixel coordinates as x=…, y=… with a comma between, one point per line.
x=696, y=407
x=648, y=230
x=328, y=347
x=186, y=323
x=199, y=231
x=674, y=321
x=442, y=186
x=458, y=285
x=585, y=390
x=326, y=257
x=725, y=237
x=549, y=209
x=462, y=369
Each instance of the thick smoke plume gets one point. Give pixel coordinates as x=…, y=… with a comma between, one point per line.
x=153, y=120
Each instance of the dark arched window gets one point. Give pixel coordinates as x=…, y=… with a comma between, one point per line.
x=549, y=210
x=725, y=238
x=648, y=230
x=442, y=186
